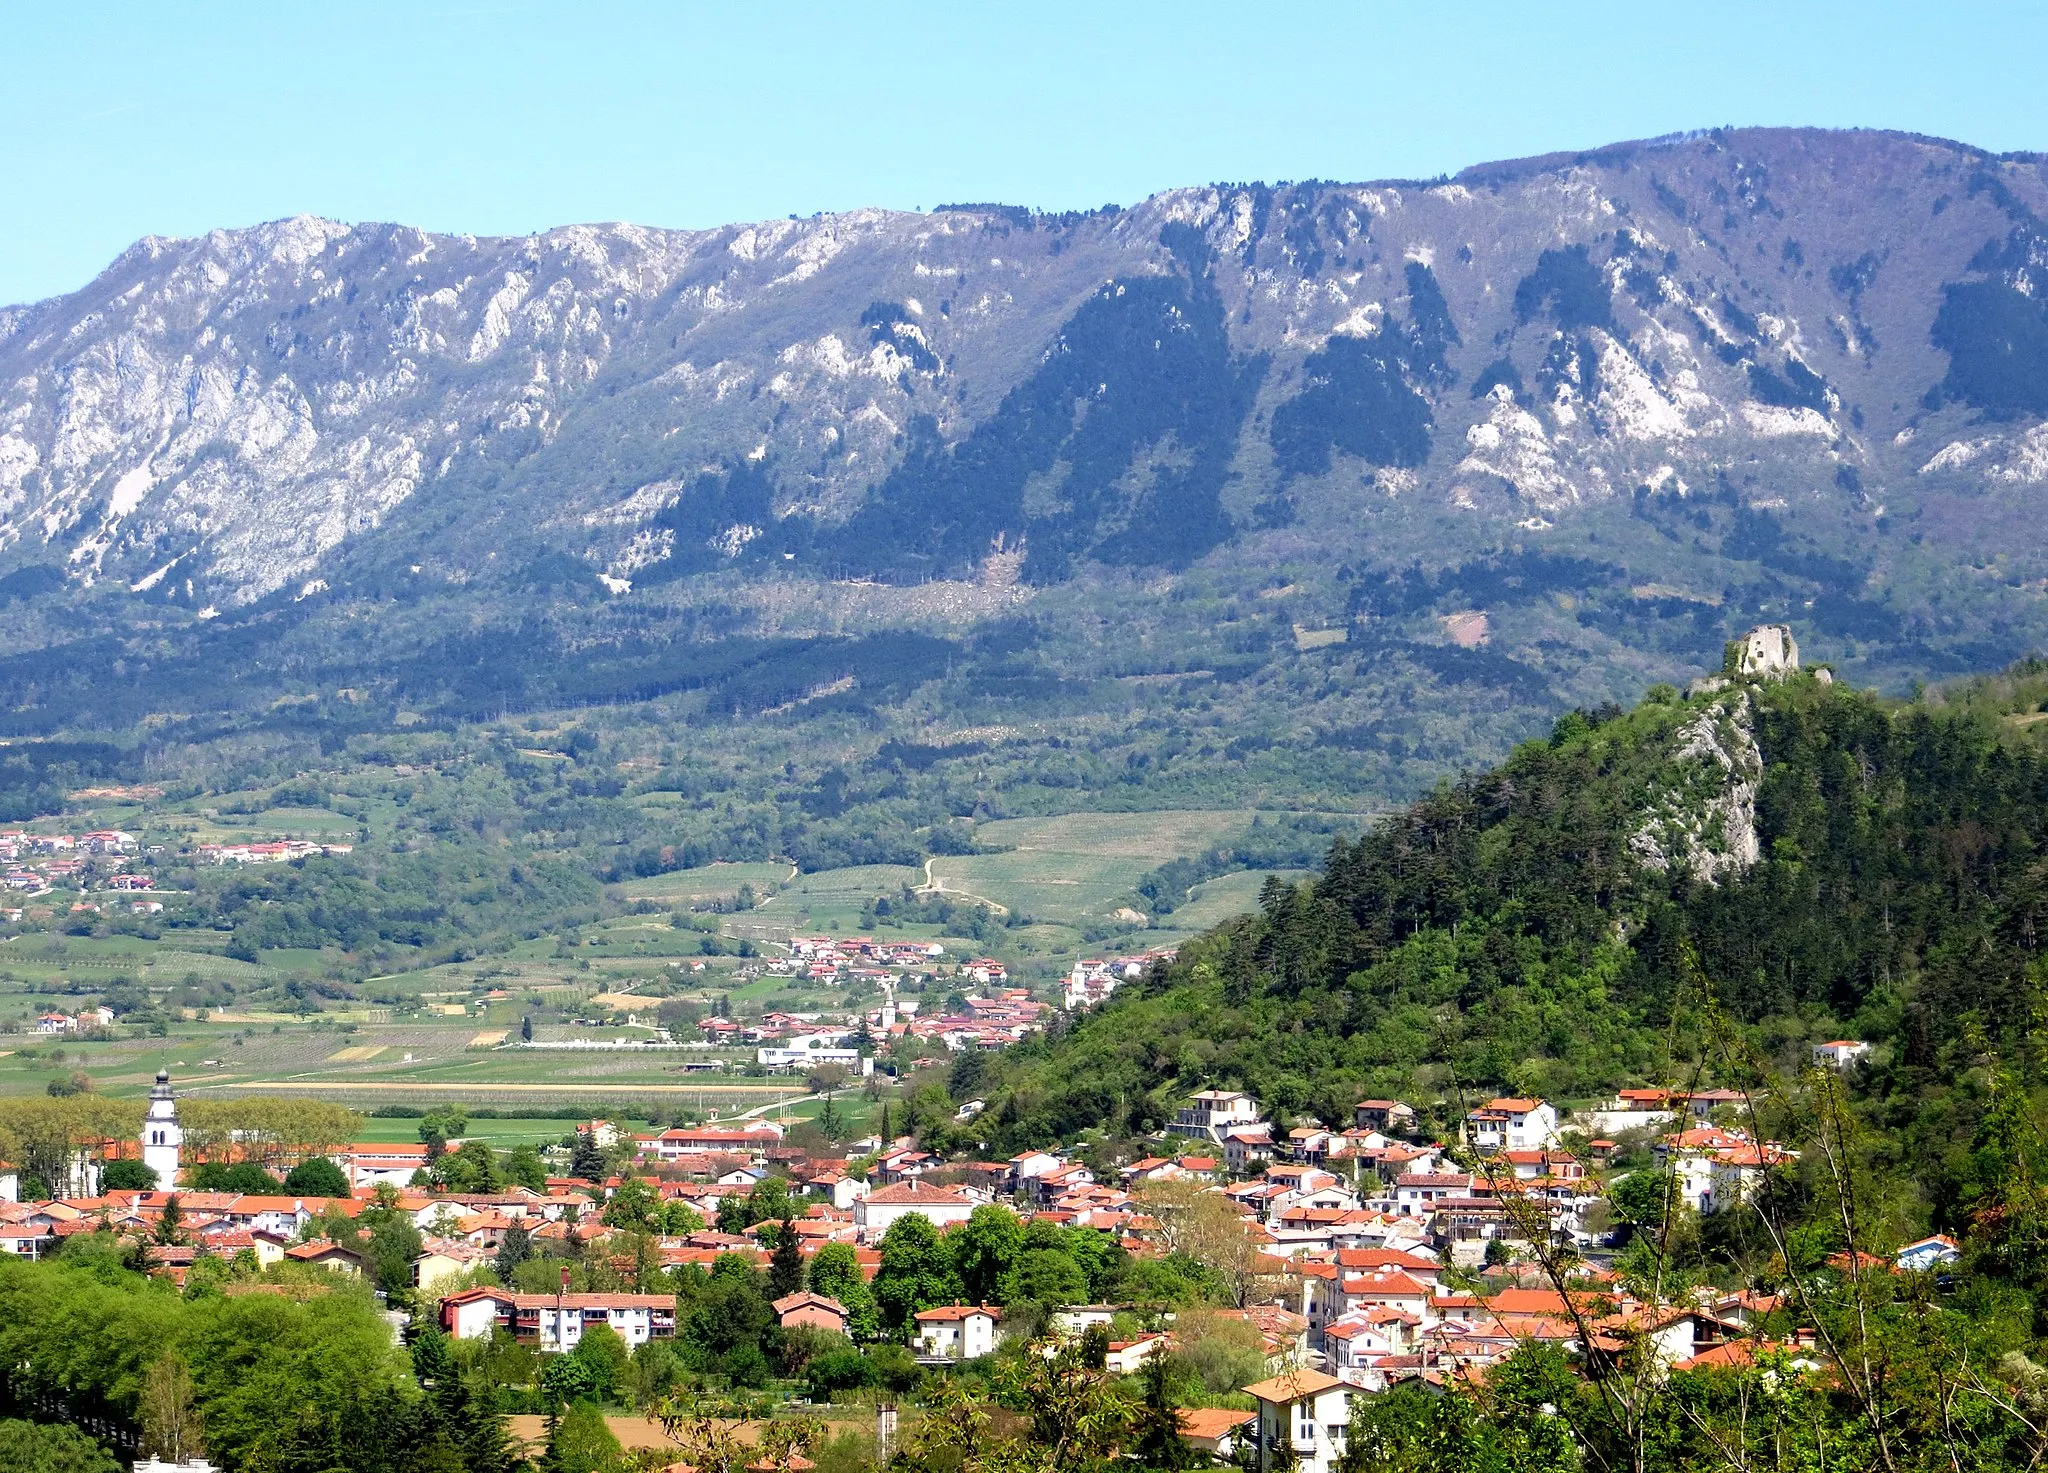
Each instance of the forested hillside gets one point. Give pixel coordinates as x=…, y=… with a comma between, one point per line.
x=1646, y=897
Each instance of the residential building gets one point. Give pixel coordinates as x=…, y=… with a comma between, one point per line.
x=332, y=1256
x=1214, y=1430
x=444, y=1260
x=1389, y=1116
x=1245, y=1146
x=556, y=1322
x=1211, y=1113
x=820, y=1311
x=1303, y=1418
x=367, y=1164
x=1128, y=1357
x=1416, y=1194
x=956, y=1332
x=1838, y=1053
x=1512, y=1124
x=873, y=1213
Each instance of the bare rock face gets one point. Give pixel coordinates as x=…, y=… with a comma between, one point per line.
x=1811, y=316
x=1701, y=818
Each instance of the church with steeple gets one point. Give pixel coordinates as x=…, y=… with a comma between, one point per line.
x=161, y=1134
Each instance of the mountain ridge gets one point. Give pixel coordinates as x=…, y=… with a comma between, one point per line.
x=1596, y=411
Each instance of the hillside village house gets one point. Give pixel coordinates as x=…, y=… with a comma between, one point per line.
x=956, y=1332
x=873, y=1213
x=1838, y=1053
x=1388, y=1116
x=1213, y=1113
x=1305, y=1414
x=1510, y=1124
x=1214, y=1430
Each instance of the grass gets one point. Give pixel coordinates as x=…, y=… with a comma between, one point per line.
x=712, y=882
x=1079, y=867
x=502, y=1135
x=1216, y=901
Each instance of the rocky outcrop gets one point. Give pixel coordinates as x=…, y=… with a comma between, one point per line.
x=1701, y=816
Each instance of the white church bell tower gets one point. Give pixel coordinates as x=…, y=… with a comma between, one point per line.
x=161, y=1135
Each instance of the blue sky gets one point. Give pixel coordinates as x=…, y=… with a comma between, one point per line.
x=120, y=120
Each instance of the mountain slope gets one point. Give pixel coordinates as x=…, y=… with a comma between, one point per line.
x=1381, y=472
x=248, y=402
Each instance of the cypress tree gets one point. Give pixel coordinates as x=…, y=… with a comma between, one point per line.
x=786, y=1265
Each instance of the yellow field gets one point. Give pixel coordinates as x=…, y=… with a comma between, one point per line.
x=362, y=1053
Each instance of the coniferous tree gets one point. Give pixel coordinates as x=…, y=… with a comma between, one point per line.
x=586, y=1160
x=477, y=1427
x=170, y=1224
x=432, y=1361
x=786, y=1266
x=515, y=1248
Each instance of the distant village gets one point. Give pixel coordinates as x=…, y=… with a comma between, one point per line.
x=116, y=862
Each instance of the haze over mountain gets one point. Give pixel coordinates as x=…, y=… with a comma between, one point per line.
x=1592, y=411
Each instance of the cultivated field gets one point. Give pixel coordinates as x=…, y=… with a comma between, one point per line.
x=713, y=882
x=1074, y=868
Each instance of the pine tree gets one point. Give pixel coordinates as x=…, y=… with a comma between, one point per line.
x=586, y=1160
x=478, y=1428
x=526, y=1030
x=515, y=1248
x=786, y=1266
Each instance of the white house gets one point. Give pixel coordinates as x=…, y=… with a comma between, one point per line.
x=557, y=1321
x=366, y=1164
x=1416, y=1193
x=1128, y=1357
x=1029, y=1165
x=1306, y=1412
x=873, y=1213
x=1212, y=1113
x=1838, y=1053
x=1511, y=1124
x=956, y=1332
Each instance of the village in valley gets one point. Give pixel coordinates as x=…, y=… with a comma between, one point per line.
x=1350, y=1257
